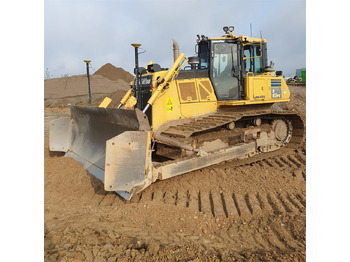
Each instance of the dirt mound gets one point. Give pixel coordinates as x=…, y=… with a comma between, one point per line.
x=113, y=73
x=78, y=85
x=107, y=80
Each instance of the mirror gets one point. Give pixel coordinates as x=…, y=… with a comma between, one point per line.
x=258, y=51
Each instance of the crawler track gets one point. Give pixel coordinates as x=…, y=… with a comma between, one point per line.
x=210, y=128
x=212, y=121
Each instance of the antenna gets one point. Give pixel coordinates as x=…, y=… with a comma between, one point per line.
x=251, y=35
x=260, y=34
x=88, y=77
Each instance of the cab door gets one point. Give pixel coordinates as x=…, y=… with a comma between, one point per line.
x=224, y=71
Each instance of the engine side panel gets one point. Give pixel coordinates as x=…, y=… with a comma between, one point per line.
x=266, y=88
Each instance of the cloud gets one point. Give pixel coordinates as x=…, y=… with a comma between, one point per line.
x=104, y=30
x=285, y=31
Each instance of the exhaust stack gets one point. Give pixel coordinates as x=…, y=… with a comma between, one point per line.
x=175, y=50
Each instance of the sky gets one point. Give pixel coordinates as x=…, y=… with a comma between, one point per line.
x=102, y=31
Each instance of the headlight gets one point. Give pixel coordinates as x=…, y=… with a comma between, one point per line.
x=231, y=28
x=225, y=29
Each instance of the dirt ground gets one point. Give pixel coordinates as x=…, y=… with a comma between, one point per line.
x=240, y=210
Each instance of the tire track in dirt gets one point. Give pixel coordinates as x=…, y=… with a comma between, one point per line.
x=226, y=204
x=216, y=202
x=245, y=206
x=222, y=202
x=241, y=197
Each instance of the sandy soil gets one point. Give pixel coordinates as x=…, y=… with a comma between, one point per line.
x=74, y=90
x=246, y=210
x=78, y=85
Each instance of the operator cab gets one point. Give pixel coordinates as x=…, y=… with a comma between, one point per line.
x=228, y=60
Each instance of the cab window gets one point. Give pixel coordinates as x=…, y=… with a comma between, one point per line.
x=253, y=63
x=203, y=55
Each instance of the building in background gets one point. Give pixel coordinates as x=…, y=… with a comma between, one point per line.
x=299, y=76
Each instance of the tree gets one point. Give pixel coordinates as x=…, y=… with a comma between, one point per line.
x=47, y=74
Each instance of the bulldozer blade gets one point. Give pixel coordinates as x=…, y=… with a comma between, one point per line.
x=129, y=163
x=83, y=136
x=59, y=134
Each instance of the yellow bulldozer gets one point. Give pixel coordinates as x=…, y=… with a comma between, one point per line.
x=205, y=109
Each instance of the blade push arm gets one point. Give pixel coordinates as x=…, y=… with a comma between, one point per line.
x=164, y=81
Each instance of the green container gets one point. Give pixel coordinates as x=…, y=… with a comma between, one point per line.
x=303, y=75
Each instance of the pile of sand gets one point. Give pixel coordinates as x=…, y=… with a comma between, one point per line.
x=114, y=73
x=108, y=79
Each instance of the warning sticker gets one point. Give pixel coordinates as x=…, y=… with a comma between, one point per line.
x=169, y=105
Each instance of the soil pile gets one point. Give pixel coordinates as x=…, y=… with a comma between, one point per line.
x=113, y=73
x=106, y=80
x=78, y=85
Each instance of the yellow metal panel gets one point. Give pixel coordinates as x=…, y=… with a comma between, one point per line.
x=105, y=102
x=162, y=110
x=206, y=91
x=261, y=88
x=266, y=88
x=189, y=110
x=249, y=88
x=248, y=102
x=173, y=103
x=187, y=91
x=241, y=38
x=195, y=90
x=202, y=97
